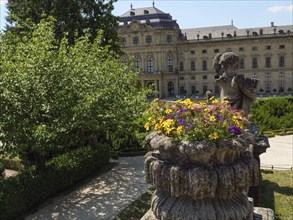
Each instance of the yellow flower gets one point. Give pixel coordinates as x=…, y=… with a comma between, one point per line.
x=214, y=136
x=168, y=111
x=147, y=126
x=179, y=130
x=156, y=99
x=213, y=118
x=215, y=101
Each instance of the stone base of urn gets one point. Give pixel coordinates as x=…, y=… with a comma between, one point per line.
x=258, y=214
x=202, y=180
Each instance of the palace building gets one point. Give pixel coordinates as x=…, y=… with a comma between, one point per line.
x=179, y=61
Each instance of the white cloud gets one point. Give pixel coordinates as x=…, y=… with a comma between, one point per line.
x=3, y=2
x=279, y=8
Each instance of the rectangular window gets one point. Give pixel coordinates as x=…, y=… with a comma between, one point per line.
x=192, y=66
x=241, y=49
x=216, y=50
x=281, y=86
x=242, y=63
x=268, y=47
x=254, y=48
x=268, y=62
x=135, y=40
x=150, y=65
x=282, y=46
x=123, y=41
x=192, y=77
x=148, y=39
x=267, y=86
x=204, y=51
x=169, y=38
x=254, y=63
x=281, y=61
x=204, y=65
x=192, y=52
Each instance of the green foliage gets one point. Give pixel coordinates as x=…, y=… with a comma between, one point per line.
x=30, y=188
x=72, y=17
x=273, y=113
x=2, y=170
x=54, y=98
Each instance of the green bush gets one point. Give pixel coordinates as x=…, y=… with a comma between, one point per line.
x=54, y=97
x=273, y=113
x=30, y=188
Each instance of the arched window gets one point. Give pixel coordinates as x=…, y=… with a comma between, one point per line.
x=170, y=64
x=170, y=88
x=150, y=65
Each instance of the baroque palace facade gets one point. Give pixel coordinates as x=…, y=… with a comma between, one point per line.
x=179, y=61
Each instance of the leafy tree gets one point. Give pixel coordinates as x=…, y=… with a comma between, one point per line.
x=54, y=98
x=72, y=17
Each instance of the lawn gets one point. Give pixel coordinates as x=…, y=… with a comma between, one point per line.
x=276, y=192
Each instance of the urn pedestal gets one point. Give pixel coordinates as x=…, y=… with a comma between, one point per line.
x=200, y=180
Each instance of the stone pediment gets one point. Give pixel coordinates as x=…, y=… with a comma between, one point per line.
x=134, y=27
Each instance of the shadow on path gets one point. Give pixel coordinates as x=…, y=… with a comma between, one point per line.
x=101, y=198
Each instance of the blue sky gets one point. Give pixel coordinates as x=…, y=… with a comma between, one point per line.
x=195, y=13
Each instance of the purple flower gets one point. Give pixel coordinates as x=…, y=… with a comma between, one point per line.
x=181, y=121
x=167, y=117
x=189, y=125
x=181, y=110
x=234, y=129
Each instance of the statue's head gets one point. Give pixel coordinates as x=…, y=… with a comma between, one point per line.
x=226, y=62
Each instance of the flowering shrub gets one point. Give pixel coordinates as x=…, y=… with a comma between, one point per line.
x=188, y=120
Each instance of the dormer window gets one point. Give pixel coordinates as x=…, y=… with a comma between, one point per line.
x=146, y=12
x=132, y=13
x=229, y=36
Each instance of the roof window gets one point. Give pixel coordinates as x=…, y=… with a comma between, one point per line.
x=146, y=12
x=132, y=13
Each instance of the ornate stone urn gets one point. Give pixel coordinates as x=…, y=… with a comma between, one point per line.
x=200, y=180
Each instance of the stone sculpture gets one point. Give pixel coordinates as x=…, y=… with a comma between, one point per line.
x=237, y=89
x=200, y=180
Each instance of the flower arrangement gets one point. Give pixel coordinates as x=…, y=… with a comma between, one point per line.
x=189, y=120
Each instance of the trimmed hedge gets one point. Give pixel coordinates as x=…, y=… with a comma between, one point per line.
x=273, y=113
x=30, y=188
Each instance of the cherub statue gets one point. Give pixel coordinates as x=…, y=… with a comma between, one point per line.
x=237, y=89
